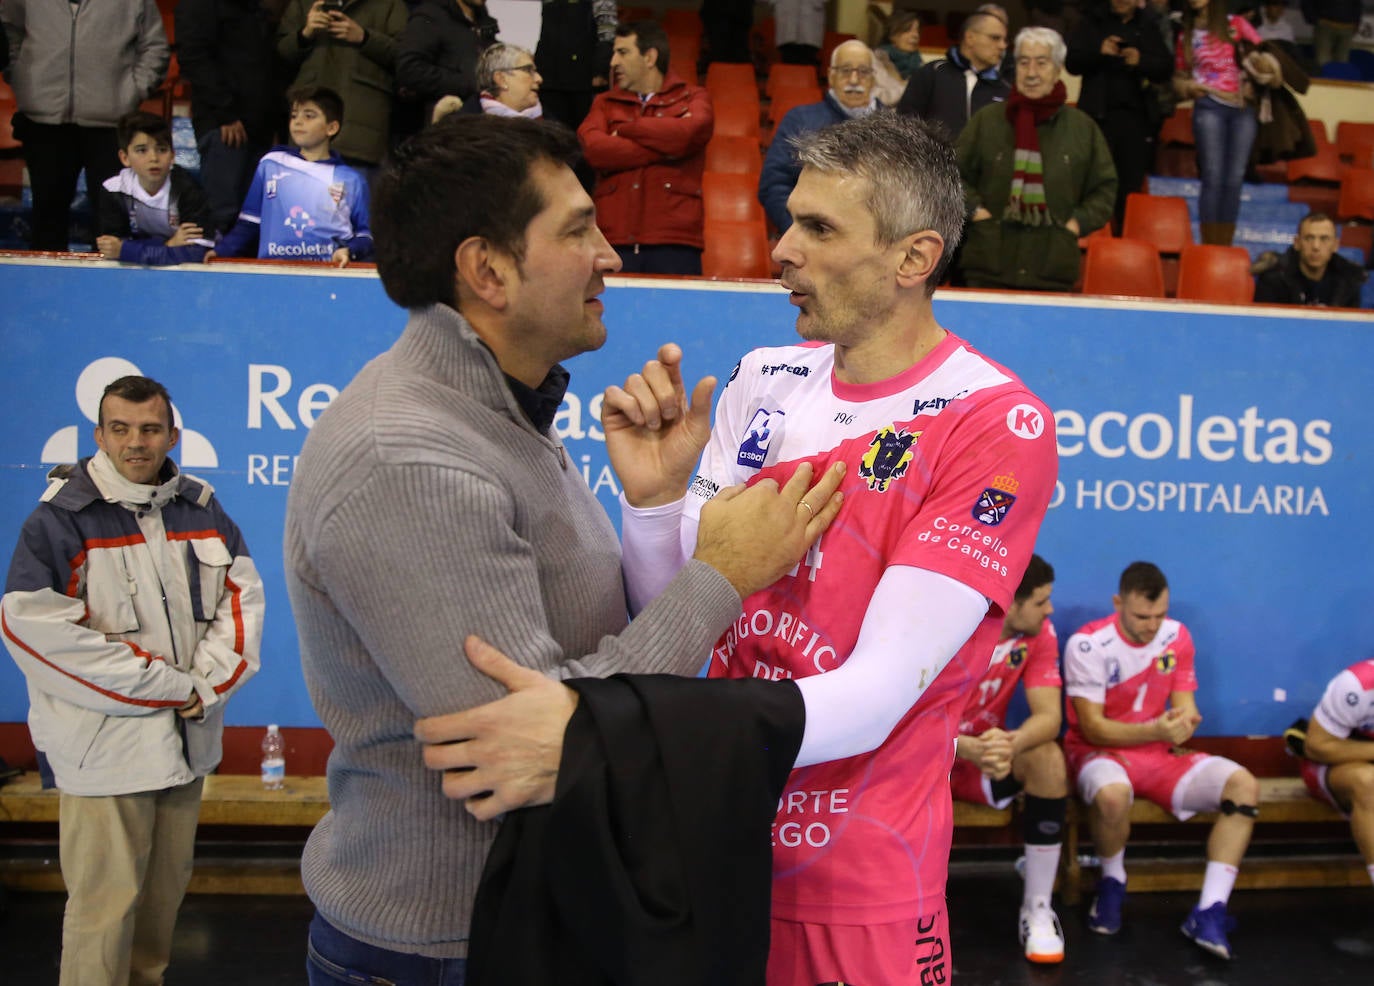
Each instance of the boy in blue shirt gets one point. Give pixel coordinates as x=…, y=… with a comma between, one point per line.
x=153, y=210
x=304, y=203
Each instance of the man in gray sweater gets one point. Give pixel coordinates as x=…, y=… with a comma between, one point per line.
x=433, y=501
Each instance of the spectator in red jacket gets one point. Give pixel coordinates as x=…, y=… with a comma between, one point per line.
x=646, y=137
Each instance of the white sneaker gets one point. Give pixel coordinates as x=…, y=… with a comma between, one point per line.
x=1042, y=935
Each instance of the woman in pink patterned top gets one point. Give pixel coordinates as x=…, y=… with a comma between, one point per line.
x=1208, y=71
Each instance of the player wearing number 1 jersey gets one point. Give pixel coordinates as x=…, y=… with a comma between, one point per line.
x=886, y=624
x=995, y=764
x=1131, y=685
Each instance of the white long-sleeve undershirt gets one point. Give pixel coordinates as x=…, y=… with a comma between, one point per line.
x=914, y=624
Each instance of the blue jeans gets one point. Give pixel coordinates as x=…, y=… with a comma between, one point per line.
x=1224, y=135
x=335, y=959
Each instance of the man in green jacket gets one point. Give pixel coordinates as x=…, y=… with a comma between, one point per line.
x=1037, y=175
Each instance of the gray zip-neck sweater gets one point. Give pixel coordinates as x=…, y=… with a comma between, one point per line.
x=424, y=508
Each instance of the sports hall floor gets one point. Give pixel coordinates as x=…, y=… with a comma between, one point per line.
x=1285, y=937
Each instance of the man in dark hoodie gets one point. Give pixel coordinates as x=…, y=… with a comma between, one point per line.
x=1311, y=272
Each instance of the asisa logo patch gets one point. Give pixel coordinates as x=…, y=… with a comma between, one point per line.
x=887, y=458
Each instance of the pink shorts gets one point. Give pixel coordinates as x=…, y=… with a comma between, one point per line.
x=1314, y=776
x=1154, y=771
x=968, y=783
x=914, y=952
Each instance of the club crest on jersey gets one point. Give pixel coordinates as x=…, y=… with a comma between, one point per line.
x=336, y=191
x=887, y=458
x=1166, y=662
x=298, y=221
x=1017, y=656
x=753, y=450
x=994, y=502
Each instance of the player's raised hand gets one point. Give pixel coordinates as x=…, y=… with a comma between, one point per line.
x=654, y=433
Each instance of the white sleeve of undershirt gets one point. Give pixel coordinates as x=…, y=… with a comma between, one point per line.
x=652, y=549
x=915, y=623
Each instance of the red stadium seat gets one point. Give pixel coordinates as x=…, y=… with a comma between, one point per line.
x=1159, y=219
x=1350, y=136
x=736, y=155
x=736, y=250
x=1215, y=273
x=679, y=20
x=731, y=79
x=789, y=76
x=736, y=118
x=1357, y=195
x=1178, y=129
x=1325, y=165
x=1124, y=267
x=731, y=198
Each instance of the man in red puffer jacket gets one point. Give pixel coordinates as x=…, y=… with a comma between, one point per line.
x=646, y=137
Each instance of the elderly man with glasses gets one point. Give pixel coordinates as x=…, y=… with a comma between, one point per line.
x=850, y=95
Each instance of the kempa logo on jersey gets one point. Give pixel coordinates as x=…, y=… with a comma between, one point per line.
x=193, y=450
x=1183, y=434
x=935, y=403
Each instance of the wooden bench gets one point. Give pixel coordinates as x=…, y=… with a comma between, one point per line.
x=1283, y=801
x=229, y=800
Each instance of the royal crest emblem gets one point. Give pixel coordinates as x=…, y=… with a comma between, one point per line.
x=1166, y=662
x=1017, y=656
x=994, y=502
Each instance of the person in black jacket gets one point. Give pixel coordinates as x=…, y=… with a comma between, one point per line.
x=226, y=49
x=438, y=51
x=1312, y=272
x=574, y=56
x=1119, y=51
x=941, y=90
x=152, y=212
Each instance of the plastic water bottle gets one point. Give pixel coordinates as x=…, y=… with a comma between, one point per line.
x=273, y=759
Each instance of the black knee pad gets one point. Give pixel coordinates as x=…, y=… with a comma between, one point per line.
x=1044, y=820
x=1229, y=807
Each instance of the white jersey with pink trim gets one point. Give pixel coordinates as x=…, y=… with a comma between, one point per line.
x=1347, y=708
x=1032, y=659
x=1132, y=683
x=950, y=467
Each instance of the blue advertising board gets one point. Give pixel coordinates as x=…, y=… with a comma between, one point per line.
x=1227, y=445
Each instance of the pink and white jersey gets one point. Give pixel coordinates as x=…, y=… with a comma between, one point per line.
x=950, y=467
x=1032, y=659
x=1347, y=708
x=1214, y=59
x=1132, y=683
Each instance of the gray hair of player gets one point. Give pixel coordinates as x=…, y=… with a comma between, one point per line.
x=1042, y=36
x=498, y=58
x=912, y=175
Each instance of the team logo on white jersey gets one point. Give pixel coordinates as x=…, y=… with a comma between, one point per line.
x=193, y=450
x=1026, y=421
x=758, y=437
x=1166, y=662
x=887, y=458
x=994, y=502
